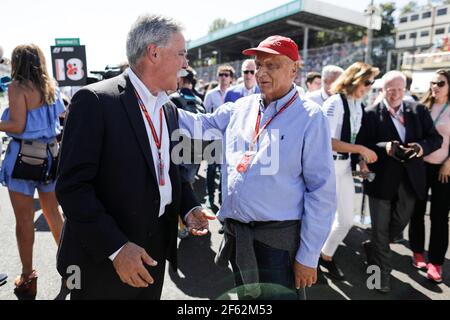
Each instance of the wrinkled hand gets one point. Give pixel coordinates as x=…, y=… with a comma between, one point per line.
x=197, y=221
x=444, y=172
x=129, y=265
x=304, y=276
x=415, y=150
x=368, y=155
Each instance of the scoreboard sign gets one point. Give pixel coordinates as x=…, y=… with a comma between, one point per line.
x=69, y=65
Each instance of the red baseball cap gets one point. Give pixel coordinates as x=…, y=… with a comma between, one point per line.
x=276, y=45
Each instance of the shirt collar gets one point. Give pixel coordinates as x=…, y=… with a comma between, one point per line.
x=149, y=100
x=398, y=112
x=278, y=104
x=324, y=95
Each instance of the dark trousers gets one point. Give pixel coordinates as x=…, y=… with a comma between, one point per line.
x=275, y=271
x=440, y=205
x=389, y=218
x=211, y=182
x=101, y=282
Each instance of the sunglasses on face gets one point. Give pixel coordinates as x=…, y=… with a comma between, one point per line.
x=226, y=75
x=440, y=83
x=249, y=71
x=369, y=82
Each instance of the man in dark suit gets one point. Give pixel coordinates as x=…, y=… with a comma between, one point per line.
x=401, y=133
x=120, y=191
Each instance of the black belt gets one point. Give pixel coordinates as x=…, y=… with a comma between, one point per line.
x=254, y=224
x=341, y=157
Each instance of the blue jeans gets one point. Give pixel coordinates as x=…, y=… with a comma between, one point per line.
x=275, y=271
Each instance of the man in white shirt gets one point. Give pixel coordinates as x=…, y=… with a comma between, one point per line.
x=119, y=189
x=329, y=75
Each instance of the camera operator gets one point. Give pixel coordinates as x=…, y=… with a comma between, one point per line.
x=401, y=133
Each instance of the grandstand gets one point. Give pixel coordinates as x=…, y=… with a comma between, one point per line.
x=299, y=20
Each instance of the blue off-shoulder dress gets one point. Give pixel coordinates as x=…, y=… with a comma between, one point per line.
x=42, y=125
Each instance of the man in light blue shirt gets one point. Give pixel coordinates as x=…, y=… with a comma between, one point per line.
x=278, y=177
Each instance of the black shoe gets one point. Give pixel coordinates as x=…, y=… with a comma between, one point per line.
x=368, y=248
x=64, y=291
x=385, y=283
x=3, y=278
x=333, y=270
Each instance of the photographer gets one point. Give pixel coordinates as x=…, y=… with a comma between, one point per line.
x=401, y=133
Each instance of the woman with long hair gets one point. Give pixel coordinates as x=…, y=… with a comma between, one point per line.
x=345, y=112
x=438, y=180
x=31, y=120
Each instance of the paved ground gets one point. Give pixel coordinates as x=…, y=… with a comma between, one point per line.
x=199, y=278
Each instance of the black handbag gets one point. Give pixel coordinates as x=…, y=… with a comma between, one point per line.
x=32, y=161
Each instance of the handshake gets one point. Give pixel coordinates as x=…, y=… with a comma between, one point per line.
x=402, y=152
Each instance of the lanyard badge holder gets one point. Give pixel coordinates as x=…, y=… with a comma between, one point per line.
x=249, y=154
x=158, y=141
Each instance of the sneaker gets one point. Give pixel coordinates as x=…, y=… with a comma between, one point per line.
x=434, y=273
x=333, y=270
x=419, y=261
x=183, y=233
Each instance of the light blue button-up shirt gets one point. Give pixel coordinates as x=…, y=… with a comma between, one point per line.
x=291, y=177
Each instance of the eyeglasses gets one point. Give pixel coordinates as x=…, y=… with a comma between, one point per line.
x=440, y=83
x=392, y=90
x=249, y=71
x=369, y=82
x=226, y=75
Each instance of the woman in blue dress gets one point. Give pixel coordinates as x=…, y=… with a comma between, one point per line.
x=32, y=117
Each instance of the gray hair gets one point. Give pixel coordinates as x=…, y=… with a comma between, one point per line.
x=331, y=70
x=391, y=75
x=148, y=29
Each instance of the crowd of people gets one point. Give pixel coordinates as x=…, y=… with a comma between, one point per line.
x=285, y=159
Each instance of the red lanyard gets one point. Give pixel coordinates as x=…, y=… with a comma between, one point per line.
x=158, y=141
x=258, y=119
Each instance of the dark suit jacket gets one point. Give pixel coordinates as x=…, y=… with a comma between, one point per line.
x=106, y=180
x=377, y=126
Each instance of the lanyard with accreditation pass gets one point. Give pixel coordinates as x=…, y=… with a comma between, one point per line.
x=249, y=154
x=158, y=141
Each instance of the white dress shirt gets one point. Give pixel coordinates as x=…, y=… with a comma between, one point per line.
x=318, y=96
x=153, y=105
x=398, y=125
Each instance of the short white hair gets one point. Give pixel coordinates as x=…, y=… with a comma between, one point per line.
x=391, y=75
x=331, y=70
x=148, y=29
x=248, y=61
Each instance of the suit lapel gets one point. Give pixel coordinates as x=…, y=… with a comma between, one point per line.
x=130, y=104
x=409, y=123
